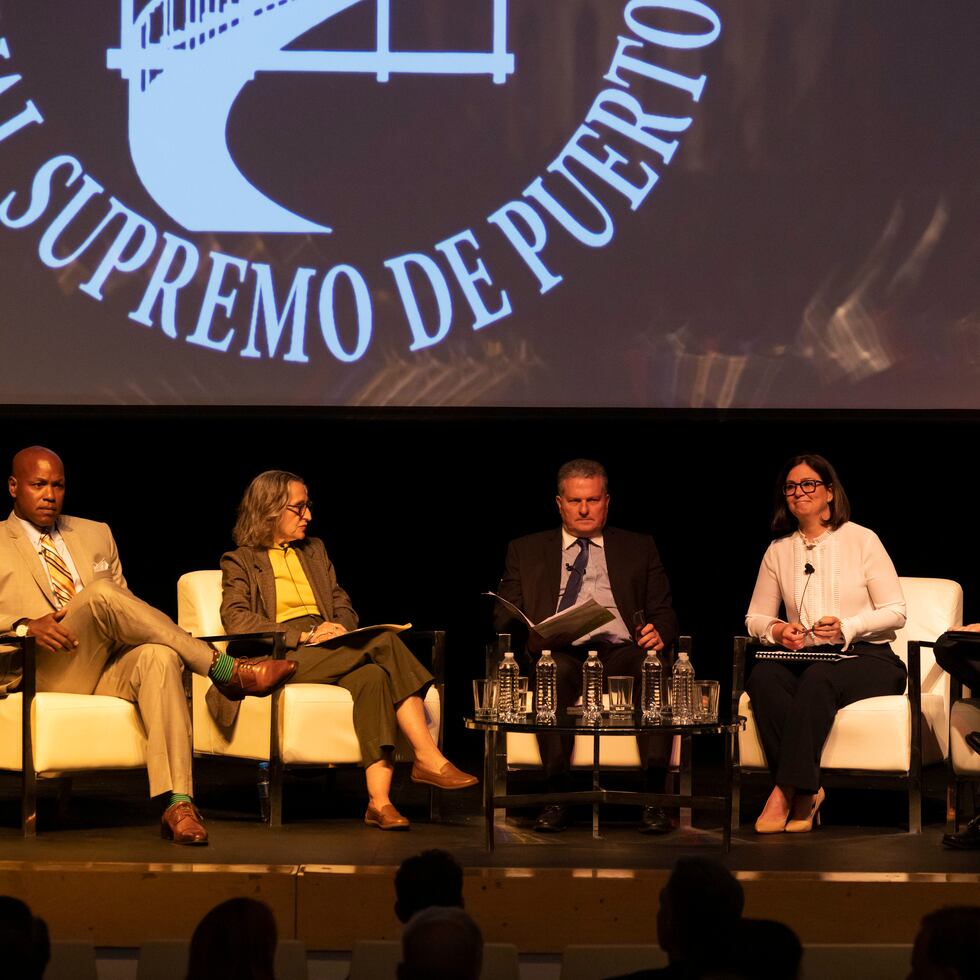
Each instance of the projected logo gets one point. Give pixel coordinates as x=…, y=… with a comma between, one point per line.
x=187, y=61
x=462, y=257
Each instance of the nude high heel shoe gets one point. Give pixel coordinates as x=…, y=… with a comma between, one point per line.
x=806, y=825
x=770, y=825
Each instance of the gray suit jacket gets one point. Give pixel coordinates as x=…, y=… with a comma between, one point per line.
x=24, y=589
x=248, y=591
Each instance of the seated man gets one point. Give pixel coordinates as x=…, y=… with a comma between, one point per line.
x=947, y=946
x=61, y=582
x=959, y=656
x=553, y=570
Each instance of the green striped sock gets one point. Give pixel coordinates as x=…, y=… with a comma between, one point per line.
x=178, y=798
x=222, y=668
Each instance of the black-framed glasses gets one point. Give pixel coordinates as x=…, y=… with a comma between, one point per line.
x=807, y=486
x=301, y=508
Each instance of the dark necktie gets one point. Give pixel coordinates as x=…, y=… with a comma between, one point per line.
x=575, y=575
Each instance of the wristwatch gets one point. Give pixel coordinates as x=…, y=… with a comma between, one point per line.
x=21, y=629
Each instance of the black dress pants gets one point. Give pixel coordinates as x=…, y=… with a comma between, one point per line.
x=795, y=704
x=959, y=656
x=618, y=660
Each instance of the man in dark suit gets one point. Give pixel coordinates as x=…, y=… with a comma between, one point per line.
x=622, y=571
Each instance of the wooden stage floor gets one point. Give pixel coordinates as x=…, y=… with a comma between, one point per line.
x=100, y=873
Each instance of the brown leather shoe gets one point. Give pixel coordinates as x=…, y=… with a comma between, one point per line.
x=448, y=777
x=257, y=678
x=182, y=824
x=387, y=818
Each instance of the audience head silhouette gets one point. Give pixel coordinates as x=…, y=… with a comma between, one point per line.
x=24, y=941
x=701, y=899
x=441, y=943
x=764, y=949
x=433, y=877
x=947, y=946
x=236, y=940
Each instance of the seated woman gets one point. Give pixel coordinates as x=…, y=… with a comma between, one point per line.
x=839, y=589
x=279, y=579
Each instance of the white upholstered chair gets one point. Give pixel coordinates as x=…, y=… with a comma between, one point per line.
x=884, y=740
x=60, y=734
x=304, y=724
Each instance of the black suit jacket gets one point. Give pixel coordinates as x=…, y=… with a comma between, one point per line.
x=532, y=579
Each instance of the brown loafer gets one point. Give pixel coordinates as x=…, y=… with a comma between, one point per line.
x=182, y=824
x=448, y=777
x=387, y=818
x=257, y=678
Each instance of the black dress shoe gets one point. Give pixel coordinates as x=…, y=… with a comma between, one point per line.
x=973, y=740
x=968, y=839
x=553, y=819
x=655, y=821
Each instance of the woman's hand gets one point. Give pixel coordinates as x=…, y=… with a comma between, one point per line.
x=827, y=629
x=324, y=632
x=789, y=635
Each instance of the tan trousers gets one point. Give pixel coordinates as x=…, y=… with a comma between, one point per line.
x=128, y=649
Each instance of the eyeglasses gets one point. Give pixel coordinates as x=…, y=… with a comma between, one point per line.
x=807, y=486
x=301, y=508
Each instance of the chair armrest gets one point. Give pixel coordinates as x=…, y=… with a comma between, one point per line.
x=435, y=643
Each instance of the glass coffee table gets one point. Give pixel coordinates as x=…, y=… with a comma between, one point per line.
x=496, y=798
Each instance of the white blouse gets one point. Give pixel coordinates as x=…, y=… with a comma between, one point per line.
x=853, y=579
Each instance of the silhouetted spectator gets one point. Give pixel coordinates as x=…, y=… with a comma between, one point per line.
x=236, y=940
x=764, y=949
x=700, y=909
x=948, y=945
x=24, y=945
x=441, y=943
x=433, y=877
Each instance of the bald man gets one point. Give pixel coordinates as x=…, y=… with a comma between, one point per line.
x=61, y=582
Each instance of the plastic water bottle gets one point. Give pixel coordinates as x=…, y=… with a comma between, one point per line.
x=592, y=689
x=508, y=709
x=683, y=690
x=264, y=804
x=652, y=687
x=546, y=689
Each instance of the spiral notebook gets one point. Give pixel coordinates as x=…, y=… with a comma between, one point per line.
x=805, y=656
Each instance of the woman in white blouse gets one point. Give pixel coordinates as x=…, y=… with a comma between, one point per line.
x=836, y=586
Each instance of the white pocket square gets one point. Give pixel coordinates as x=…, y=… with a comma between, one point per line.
x=100, y=566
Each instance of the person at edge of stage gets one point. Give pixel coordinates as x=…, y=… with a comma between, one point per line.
x=61, y=582
x=839, y=591
x=585, y=558
x=278, y=579
x=958, y=653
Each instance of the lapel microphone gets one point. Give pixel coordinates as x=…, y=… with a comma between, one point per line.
x=808, y=569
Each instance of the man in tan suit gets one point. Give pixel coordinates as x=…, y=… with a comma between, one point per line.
x=61, y=582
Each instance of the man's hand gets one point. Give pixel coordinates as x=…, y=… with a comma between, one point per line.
x=649, y=639
x=789, y=635
x=326, y=631
x=50, y=634
x=972, y=628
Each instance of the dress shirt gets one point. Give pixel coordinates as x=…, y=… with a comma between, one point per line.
x=595, y=585
x=34, y=536
x=853, y=579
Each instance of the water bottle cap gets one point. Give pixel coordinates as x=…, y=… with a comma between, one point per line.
x=683, y=655
x=509, y=655
x=593, y=654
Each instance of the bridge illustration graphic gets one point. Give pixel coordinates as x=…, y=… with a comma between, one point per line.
x=186, y=61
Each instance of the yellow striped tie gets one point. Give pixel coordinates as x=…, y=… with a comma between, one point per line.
x=62, y=583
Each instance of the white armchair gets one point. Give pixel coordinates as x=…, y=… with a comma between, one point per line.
x=884, y=740
x=302, y=725
x=59, y=734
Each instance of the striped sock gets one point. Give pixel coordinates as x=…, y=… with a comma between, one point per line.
x=222, y=668
x=178, y=798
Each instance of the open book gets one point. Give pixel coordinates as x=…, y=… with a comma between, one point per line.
x=377, y=628
x=564, y=627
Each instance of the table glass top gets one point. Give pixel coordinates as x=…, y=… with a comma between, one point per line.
x=609, y=725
